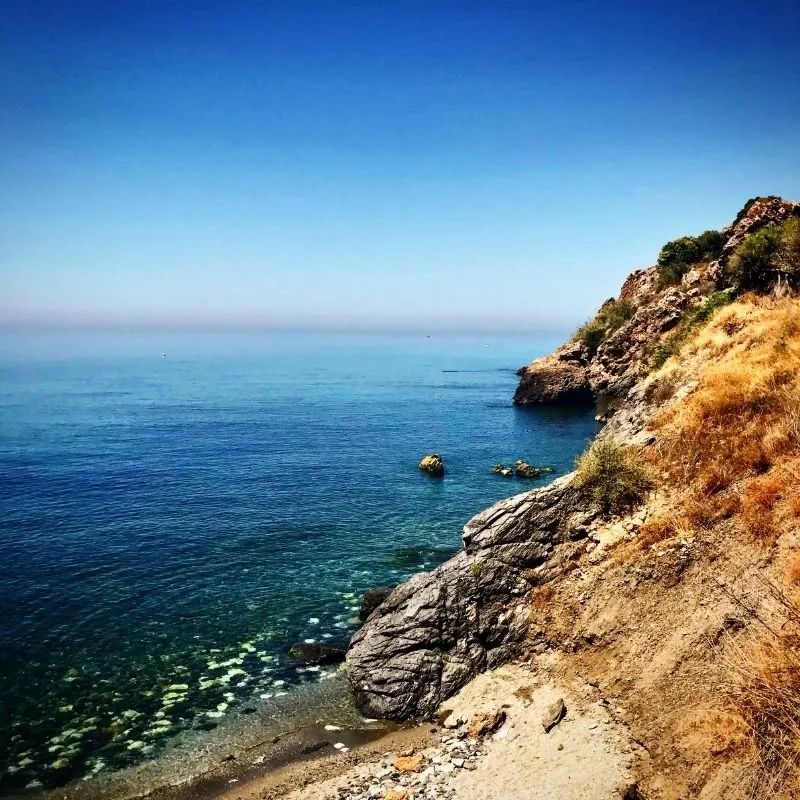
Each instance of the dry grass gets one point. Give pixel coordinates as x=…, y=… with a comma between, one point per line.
x=764, y=692
x=733, y=447
x=761, y=495
x=730, y=441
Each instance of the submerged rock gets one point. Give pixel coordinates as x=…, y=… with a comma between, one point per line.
x=433, y=465
x=371, y=599
x=440, y=629
x=309, y=653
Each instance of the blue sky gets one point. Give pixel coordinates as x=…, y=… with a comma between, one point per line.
x=375, y=165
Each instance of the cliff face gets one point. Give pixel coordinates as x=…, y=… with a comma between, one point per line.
x=625, y=354
x=661, y=604
x=440, y=629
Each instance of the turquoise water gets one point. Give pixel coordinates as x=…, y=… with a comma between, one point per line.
x=178, y=509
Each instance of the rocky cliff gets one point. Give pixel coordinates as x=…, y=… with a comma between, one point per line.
x=581, y=369
x=437, y=631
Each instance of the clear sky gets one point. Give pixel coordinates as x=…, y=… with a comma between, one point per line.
x=375, y=164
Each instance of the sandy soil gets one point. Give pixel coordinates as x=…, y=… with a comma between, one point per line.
x=587, y=756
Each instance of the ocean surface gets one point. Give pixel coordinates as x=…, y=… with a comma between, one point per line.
x=178, y=509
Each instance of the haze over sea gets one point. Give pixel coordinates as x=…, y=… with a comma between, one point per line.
x=179, y=508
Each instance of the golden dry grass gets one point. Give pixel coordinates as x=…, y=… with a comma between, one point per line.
x=732, y=445
x=732, y=441
x=763, y=694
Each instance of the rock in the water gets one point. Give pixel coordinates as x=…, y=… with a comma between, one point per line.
x=504, y=471
x=484, y=724
x=525, y=470
x=440, y=629
x=371, y=599
x=432, y=465
x=554, y=714
x=307, y=653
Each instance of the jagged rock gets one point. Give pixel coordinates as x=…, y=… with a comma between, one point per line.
x=371, y=599
x=625, y=357
x=433, y=465
x=501, y=469
x=484, y=724
x=759, y=213
x=439, y=629
x=554, y=714
x=307, y=653
x=639, y=286
x=559, y=378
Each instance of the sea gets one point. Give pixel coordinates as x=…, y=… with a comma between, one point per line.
x=179, y=508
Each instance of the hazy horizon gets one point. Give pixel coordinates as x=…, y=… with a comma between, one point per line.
x=439, y=165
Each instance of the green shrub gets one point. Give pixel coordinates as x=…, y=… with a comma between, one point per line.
x=766, y=257
x=678, y=255
x=689, y=324
x=789, y=252
x=612, y=315
x=613, y=476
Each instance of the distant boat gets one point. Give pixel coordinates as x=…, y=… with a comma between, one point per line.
x=163, y=355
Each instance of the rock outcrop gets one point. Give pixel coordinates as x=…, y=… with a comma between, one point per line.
x=573, y=374
x=559, y=378
x=757, y=214
x=441, y=628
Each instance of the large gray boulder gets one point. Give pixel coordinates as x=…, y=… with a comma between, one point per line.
x=439, y=629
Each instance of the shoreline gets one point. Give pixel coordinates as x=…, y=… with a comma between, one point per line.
x=308, y=723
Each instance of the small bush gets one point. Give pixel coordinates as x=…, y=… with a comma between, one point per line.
x=611, y=316
x=690, y=323
x=678, y=255
x=613, y=475
x=766, y=257
x=788, y=260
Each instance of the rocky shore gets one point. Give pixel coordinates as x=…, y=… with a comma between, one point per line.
x=645, y=601
x=437, y=631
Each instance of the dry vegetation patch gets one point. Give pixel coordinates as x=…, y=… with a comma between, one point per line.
x=734, y=441
x=731, y=451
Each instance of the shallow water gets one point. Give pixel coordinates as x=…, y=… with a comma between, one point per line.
x=178, y=509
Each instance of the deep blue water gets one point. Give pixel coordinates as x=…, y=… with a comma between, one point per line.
x=170, y=524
